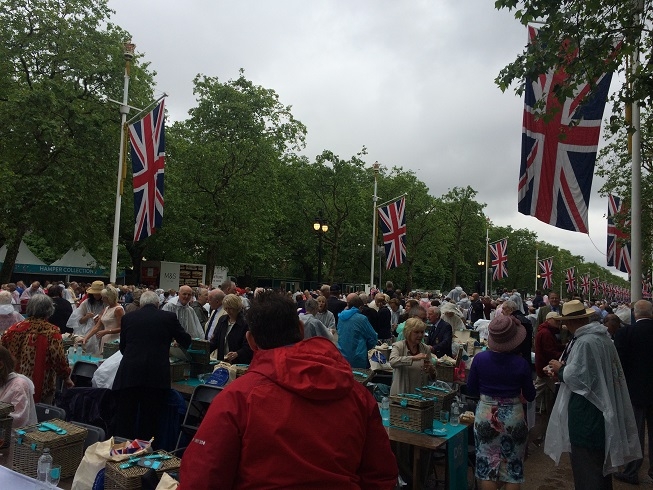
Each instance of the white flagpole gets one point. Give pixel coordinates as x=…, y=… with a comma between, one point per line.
x=374, y=211
x=636, y=198
x=124, y=110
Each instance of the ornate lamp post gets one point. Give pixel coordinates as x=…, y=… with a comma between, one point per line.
x=320, y=227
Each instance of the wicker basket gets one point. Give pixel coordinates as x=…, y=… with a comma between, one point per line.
x=363, y=375
x=407, y=401
x=116, y=478
x=66, y=450
x=177, y=370
x=110, y=348
x=199, y=351
x=5, y=431
x=411, y=418
x=241, y=369
x=5, y=409
x=443, y=400
x=445, y=373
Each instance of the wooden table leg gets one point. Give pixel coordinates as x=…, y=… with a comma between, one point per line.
x=416, y=467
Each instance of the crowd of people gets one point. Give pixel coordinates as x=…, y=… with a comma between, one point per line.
x=583, y=364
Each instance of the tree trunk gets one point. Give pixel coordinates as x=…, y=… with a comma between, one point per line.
x=211, y=260
x=13, y=246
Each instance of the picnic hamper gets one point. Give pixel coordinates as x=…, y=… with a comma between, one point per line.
x=67, y=449
x=412, y=412
x=117, y=478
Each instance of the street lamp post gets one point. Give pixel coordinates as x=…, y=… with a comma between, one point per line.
x=320, y=227
x=481, y=267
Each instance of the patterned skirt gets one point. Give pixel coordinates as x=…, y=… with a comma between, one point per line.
x=501, y=434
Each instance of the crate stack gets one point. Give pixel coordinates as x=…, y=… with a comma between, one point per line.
x=200, y=357
x=67, y=449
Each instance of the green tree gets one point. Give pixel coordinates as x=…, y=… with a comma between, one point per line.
x=56, y=156
x=223, y=163
x=593, y=28
x=466, y=225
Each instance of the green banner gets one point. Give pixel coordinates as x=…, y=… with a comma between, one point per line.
x=61, y=270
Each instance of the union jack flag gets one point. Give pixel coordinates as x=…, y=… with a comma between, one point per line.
x=147, y=138
x=604, y=288
x=585, y=284
x=595, y=286
x=570, y=280
x=393, y=224
x=558, y=155
x=499, y=251
x=546, y=266
x=618, y=244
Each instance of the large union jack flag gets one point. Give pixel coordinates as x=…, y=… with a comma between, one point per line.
x=558, y=155
x=546, y=268
x=585, y=284
x=570, y=279
x=595, y=286
x=499, y=251
x=618, y=244
x=393, y=225
x=147, y=138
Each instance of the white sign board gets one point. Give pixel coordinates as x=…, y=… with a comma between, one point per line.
x=175, y=274
x=220, y=274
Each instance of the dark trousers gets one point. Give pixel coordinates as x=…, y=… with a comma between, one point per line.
x=643, y=417
x=138, y=412
x=587, y=466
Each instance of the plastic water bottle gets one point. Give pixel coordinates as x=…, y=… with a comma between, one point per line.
x=455, y=413
x=44, y=465
x=385, y=411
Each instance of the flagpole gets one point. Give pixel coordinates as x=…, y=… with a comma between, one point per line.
x=537, y=265
x=636, y=196
x=124, y=110
x=374, y=212
x=487, y=255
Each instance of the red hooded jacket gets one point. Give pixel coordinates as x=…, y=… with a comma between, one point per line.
x=297, y=419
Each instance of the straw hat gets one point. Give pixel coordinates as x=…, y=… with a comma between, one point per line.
x=505, y=333
x=552, y=314
x=574, y=309
x=96, y=287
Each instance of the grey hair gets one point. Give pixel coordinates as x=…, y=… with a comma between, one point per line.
x=310, y=305
x=510, y=304
x=5, y=297
x=149, y=298
x=40, y=306
x=643, y=309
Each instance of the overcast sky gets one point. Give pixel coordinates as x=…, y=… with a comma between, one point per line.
x=411, y=80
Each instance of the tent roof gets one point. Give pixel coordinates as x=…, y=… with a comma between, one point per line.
x=76, y=258
x=25, y=255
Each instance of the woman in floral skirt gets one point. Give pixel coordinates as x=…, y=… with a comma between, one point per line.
x=503, y=379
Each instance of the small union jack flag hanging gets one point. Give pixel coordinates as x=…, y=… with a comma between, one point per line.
x=585, y=284
x=393, y=225
x=499, y=251
x=595, y=287
x=558, y=155
x=147, y=138
x=604, y=288
x=618, y=251
x=570, y=280
x=546, y=268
